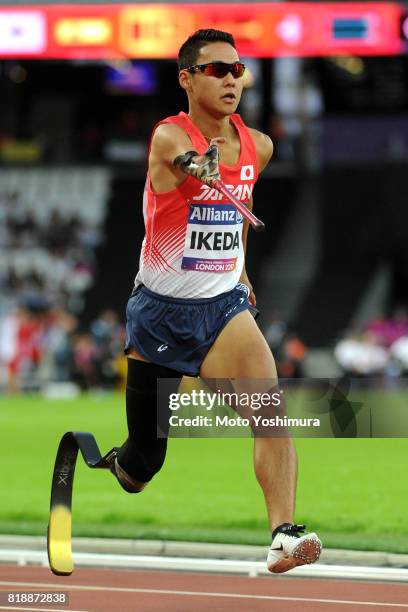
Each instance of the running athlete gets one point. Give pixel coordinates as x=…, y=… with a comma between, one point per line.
x=190, y=310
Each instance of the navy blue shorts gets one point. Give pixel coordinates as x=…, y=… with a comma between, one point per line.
x=178, y=333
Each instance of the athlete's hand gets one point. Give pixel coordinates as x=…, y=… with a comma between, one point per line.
x=244, y=279
x=218, y=140
x=203, y=167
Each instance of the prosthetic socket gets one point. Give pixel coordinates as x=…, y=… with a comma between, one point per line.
x=205, y=167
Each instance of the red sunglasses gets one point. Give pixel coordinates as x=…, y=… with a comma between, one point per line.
x=219, y=69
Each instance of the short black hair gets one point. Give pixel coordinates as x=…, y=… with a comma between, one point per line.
x=190, y=49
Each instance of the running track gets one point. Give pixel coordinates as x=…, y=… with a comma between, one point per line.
x=108, y=590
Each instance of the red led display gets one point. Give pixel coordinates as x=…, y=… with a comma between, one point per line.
x=157, y=30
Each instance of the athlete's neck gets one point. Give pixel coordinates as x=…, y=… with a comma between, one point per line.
x=211, y=127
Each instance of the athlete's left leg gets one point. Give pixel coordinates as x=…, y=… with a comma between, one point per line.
x=241, y=351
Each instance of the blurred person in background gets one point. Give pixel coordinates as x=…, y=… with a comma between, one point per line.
x=275, y=332
x=292, y=355
x=399, y=352
x=388, y=330
x=60, y=326
x=361, y=355
x=108, y=332
x=20, y=345
x=109, y=336
x=85, y=361
x=288, y=349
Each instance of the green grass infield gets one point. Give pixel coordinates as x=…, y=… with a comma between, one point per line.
x=352, y=492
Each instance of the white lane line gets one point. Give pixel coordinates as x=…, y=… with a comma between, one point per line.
x=82, y=587
x=187, y=564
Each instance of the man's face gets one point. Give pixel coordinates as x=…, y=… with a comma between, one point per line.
x=218, y=96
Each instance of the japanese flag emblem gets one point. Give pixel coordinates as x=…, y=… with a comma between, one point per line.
x=247, y=173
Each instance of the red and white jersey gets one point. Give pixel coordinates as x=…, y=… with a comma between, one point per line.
x=193, y=242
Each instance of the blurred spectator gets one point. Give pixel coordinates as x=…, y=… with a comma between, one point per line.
x=93, y=364
x=47, y=264
x=39, y=344
x=109, y=335
x=57, y=346
x=20, y=345
x=56, y=236
x=107, y=331
x=85, y=366
x=90, y=235
x=389, y=330
x=275, y=332
x=361, y=355
x=293, y=353
x=61, y=264
x=399, y=352
x=380, y=349
x=287, y=348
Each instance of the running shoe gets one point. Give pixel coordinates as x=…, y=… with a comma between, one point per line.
x=289, y=549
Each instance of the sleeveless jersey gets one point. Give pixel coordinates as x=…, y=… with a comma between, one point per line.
x=193, y=242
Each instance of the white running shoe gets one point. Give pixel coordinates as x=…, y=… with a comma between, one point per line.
x=289, y=549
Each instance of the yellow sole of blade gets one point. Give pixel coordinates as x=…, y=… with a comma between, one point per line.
x=59, y=541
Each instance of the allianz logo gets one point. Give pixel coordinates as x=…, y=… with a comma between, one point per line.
x=215, y=214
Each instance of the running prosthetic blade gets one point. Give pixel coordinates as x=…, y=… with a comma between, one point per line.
x=59, y=534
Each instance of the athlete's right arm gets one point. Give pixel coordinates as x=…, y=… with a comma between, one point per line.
x=168, y=142
x=172, y=156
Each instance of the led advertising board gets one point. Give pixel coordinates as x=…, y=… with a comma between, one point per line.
x=157, y=30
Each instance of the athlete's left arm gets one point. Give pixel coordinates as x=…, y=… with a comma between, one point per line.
x=264, y=148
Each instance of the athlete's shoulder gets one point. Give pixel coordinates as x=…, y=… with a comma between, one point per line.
x=264, y=147
x=169, y=136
